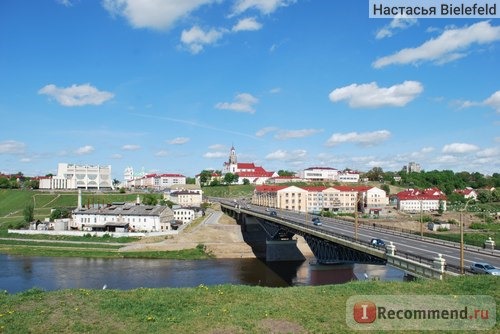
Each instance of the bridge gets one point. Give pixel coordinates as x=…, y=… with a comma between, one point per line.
x=339, y=241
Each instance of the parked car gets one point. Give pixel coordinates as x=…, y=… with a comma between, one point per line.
x=484, y=268
x=377, y=242
x=316, y=221
x=273, y=213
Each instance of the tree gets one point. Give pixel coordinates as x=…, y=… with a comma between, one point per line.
x=386, y=188
x=375, y=174
x=246, y=181
x=205, y=176
x=150, y=199
x=484, y=196
x=282, y=172
x=190, y=180
x=229, y=178
x=115, y=182
x=29, y=212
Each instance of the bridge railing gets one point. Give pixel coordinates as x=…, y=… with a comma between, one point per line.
x=399, y=253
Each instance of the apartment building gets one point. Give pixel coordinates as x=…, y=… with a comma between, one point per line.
x=71, y=176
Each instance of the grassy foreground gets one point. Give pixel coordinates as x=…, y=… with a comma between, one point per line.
x=213, y=309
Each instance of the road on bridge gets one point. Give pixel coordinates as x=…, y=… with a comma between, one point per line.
x=425, y=247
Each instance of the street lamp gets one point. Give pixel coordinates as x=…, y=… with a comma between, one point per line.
x=356, y=216
x=421, y=221
x=462, y=237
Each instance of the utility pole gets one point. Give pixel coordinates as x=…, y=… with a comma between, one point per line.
x=356, y=217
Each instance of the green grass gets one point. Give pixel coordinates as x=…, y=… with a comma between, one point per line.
x=473, y=239
x=214, y=309
x=229, y=191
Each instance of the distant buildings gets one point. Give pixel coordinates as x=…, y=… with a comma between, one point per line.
x=246, y=170
x=315, y=199
x=412, y=167
x=70, y=176
x=151, y=181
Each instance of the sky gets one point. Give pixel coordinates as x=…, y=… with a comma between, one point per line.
x=168, y=86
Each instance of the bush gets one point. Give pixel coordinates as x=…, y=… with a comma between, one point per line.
x=442, y=229
x=452, y=222
x=478, y=226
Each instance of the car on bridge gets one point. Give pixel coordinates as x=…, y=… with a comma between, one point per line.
x=273, y=213
x=484, y=268
x=379, y=243
x=316, y=221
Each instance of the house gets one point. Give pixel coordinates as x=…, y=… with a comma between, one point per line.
x=467, y=193
x=123, y=217
x=415, y=200
x=185, y=197
x=156, y=181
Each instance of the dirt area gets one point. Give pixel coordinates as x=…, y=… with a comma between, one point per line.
x=223, y=239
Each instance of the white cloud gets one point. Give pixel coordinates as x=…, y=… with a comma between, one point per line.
x=489, y=152
x=264, y=131
x=459, y=148
x=371, y=96
x=66, y=3
x=264, y=6
x=195, y=38
x=247, y=24
x=12, y=147
x=214, y=155
x=130, y=147
x=217, y=147
x=276, y=90
x=116, y=156
x=25, y=160
x=288, y=134
x=178, y=141
x=161, y=153
x=295, y=155
x=447, y=47
x=396, y=23
x=76, y=95
x=494, y=101
x=365, y=139
x=153, y=14
x=87, y=149
x=243, y=103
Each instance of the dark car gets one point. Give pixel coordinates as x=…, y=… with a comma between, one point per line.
x=316, y=221
x=377, y=242
x=273, y=213
x=484, y=268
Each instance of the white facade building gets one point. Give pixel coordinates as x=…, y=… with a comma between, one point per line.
x=319, y=174
x=124, y=218
x=154, y=181
x=184, y=215
x=70, y=176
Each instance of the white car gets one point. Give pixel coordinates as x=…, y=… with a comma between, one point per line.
x=484, y=268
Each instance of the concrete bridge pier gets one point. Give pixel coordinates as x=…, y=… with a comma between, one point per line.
x=283, y=250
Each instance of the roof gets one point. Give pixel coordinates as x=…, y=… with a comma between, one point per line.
x=425, y=194
x=324, y=168
x=128, y=209
x=245, y=165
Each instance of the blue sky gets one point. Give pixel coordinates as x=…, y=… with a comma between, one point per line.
x=169, y=86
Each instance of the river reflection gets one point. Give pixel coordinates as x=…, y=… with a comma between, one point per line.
x=19, y=273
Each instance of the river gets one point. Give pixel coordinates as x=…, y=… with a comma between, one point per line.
x=20, y=273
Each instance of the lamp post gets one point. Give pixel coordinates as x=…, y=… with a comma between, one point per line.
x=421, y=221
x=356, y=217
x=462, y=236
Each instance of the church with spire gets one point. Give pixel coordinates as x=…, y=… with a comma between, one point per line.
x=246, y=170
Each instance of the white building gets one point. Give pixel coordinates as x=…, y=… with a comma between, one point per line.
x=70, y=176
x=184, y=215
x=123, y=218
x=185, y=197
x=415, y=200
x=319, y=174
x=155, y=181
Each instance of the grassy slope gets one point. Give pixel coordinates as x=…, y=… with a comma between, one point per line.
x=215, y=309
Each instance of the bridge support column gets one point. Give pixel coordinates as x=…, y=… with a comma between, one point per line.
x=390, y=249
x=439, y=263
x=283, y=250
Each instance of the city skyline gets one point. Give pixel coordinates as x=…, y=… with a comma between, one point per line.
x=171, y=86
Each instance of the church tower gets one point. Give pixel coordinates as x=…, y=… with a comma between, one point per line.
x=231, y=165
x=232, y=156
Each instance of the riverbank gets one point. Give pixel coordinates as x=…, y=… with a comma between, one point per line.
x=219, y=233
x=215, y=309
